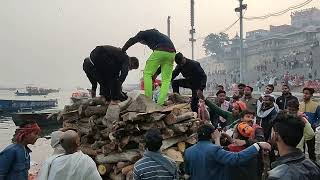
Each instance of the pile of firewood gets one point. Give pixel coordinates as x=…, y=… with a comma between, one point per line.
x=113, y=135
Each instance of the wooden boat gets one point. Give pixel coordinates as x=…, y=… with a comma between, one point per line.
x=43, y=118
x=18, y=105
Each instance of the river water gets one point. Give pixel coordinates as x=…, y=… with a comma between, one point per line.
x=41, y=149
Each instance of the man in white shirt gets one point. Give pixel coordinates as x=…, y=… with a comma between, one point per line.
x=71, y=165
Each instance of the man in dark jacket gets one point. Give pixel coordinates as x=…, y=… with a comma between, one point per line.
x=249, y=100
x=206, y=160
x=109, y=67
x=162, y=56
x=266, y=112
x=283, y=100
x=195, y=78
x=287, y=131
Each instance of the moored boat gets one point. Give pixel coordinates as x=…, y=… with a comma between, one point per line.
x=43, y=118
x=18, y=105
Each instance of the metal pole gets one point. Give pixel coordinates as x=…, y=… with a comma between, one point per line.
x=241, y=42
x=192, y=30
x=242, y=57
x=168, y=26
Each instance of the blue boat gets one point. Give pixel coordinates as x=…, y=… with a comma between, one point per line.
x=18, y=105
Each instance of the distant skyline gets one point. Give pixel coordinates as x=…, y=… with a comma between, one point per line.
x=44, y=42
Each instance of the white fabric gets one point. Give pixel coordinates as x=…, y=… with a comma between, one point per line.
x=76, y=166
x=224, y=106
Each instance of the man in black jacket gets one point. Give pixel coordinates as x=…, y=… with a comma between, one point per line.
x=283, y=100
x=195, y=78
x=287, y=131
x=109, y=66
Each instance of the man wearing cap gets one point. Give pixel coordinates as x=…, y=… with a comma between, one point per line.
x=194, y=78
x=205, y=160
x=249, y=100
x=153, y=164
x=15, y=159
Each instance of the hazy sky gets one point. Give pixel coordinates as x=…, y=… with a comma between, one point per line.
x=44, y=42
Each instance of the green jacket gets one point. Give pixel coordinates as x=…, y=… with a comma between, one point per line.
x=217, y=110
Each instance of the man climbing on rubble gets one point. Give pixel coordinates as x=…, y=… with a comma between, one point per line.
x=194, y=78
x=162, y=56
x=109, y=66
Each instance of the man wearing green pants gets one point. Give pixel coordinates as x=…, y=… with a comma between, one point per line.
x=162, y=56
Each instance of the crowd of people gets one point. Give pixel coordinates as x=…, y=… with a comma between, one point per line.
x=242, y=138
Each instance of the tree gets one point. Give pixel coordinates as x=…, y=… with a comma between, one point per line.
x=214, y=43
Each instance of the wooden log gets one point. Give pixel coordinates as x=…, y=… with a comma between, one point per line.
x=67, y=126
x=174, y=154
x=129, y=155
x=157, y=124
x=112, y=115
x=99, y=120
x=167, y=133
x=157, y=117
x=176, y=111
x=104, y=169
x=75, y=106
x=181, y=128
x=71, y=116
x=133, y=116
x=119, y=176
x=195, y=126
x=98, y=144
x=81, y=110
x=97, y=101
x=121, y=165
x=108, y=148
x=105, y=133
x=169, y=109
x=178, y=99
x=84, y=128
x=142, y=104
x=125, y=104
x=182, y=146
x=86, y=139
x=84, y=120
x=192, y=139
x=129, y=175
x=173, y=119
x=126, y=169
x=95, y=110
x=167, y=143
x=86, y=149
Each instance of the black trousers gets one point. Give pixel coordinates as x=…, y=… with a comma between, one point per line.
x=176, y=84
x=312, y=148
x=91, y=73
x=107, y=72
